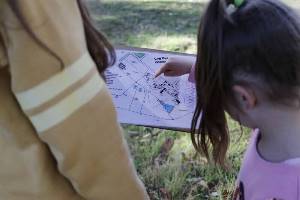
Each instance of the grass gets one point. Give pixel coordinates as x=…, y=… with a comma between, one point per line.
x=184, y=174
x=179, y=173
x=167, y=25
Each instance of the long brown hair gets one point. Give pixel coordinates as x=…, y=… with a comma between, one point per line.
x=99, y=48
x=261, y=39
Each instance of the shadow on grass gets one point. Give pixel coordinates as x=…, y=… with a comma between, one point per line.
x=137, y=23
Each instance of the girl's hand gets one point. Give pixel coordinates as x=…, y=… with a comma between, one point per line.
x=176, y=67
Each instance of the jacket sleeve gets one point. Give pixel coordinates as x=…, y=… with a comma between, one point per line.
x=69, y=106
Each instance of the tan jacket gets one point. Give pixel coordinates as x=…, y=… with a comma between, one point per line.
x=59, y=136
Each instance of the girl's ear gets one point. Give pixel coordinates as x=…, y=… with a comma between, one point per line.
x=245, y=97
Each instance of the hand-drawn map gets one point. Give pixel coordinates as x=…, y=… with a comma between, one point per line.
x=142, y=99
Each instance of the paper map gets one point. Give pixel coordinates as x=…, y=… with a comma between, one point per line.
x=141, y=99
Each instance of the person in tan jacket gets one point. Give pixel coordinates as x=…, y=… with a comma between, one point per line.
x=59, y=136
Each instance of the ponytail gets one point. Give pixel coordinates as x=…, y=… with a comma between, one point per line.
x=209, y=126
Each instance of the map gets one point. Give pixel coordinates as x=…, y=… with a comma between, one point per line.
x=142, y=99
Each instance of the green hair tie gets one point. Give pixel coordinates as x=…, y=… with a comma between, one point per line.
x=238, y=3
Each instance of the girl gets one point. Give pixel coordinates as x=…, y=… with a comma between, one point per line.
x=59, y=136
x=248, y=64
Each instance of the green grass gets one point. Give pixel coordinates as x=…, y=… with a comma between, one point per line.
x=182, y=174
x=167, y=25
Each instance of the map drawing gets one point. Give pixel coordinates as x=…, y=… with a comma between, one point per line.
x=142, y=99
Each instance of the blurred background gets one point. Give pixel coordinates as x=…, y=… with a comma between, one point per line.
x=165, y=160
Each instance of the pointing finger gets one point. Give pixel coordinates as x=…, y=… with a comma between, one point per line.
x=160, y=71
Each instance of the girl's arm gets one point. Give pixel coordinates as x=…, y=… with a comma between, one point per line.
x=69, y=105
x=177, y=66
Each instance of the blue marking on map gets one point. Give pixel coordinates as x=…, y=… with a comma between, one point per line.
x=168, y=108
x=140, y=55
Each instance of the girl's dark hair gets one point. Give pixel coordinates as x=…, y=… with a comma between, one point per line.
x=99, y=48
x=260, y=40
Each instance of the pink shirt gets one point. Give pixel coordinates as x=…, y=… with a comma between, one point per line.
x=262, y=180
